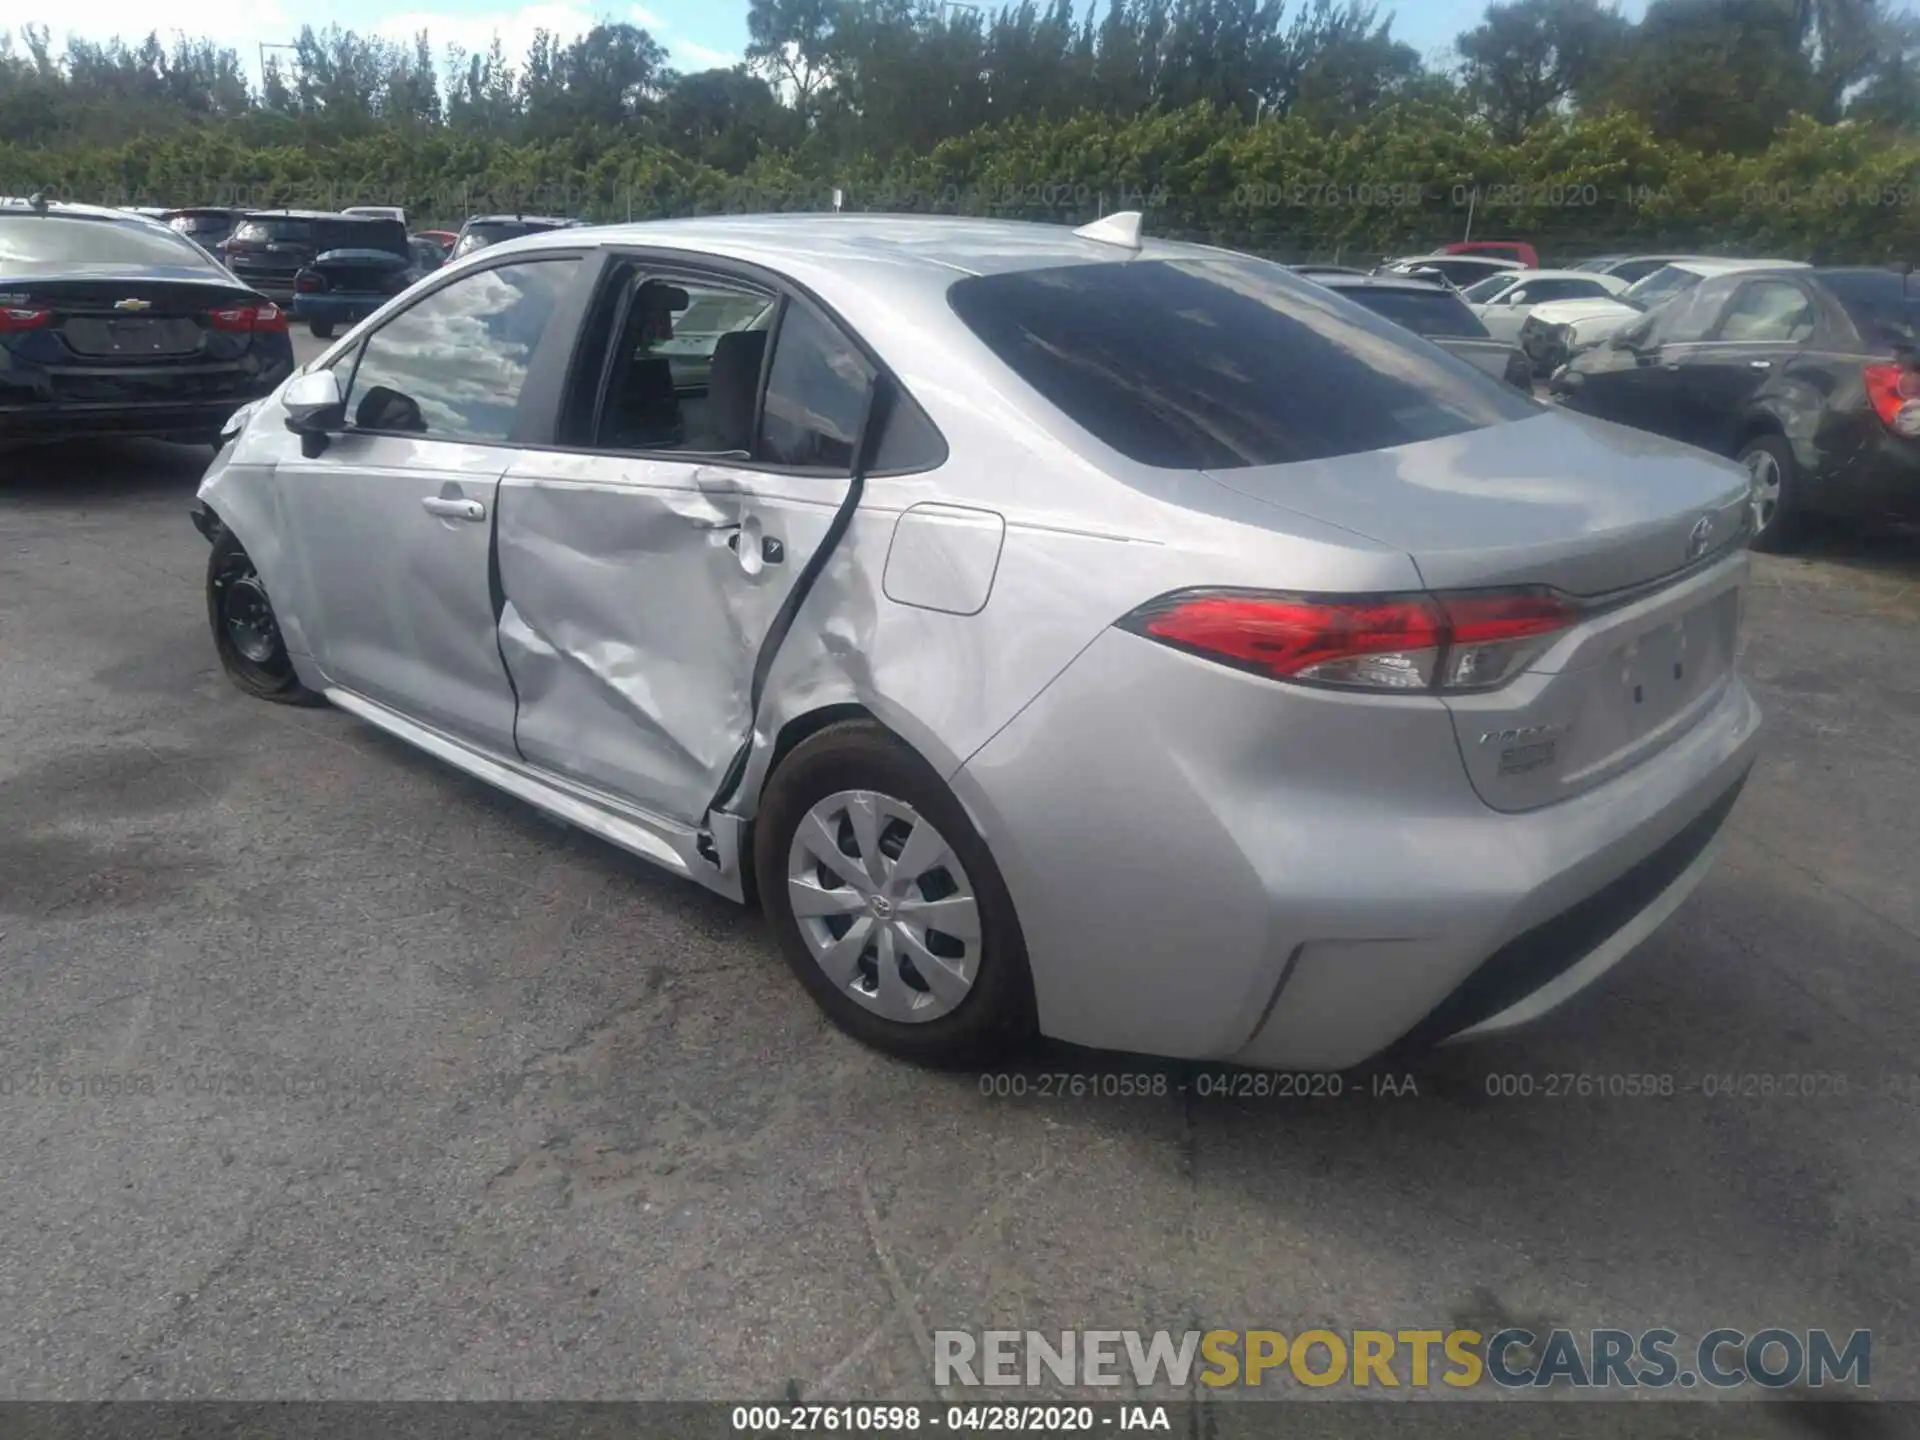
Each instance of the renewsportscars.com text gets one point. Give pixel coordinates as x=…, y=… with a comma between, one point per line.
x=1772, y=1357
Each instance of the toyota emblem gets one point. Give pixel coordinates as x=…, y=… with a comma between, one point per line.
x=1700, y=537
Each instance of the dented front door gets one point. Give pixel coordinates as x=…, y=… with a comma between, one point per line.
x=638, y=592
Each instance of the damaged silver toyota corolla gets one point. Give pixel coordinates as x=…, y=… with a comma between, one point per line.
x=1058, y=631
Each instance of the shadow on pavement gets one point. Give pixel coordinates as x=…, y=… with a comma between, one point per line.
x=86, y=470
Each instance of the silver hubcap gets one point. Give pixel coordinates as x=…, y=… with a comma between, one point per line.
x=1763, y=493
x=885, y=906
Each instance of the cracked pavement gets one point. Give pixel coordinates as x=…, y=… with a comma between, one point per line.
x=423, y=1096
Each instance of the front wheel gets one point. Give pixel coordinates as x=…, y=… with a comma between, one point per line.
x=320, y=329
x=245, y=633
x=1773, y=493
x=887, y=903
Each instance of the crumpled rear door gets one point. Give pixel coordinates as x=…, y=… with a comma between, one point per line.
x=637, y=594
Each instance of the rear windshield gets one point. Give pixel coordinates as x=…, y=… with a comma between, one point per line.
x=1223, y=363
x=200, y=224
x=274, y=231
x=388, y=235
x=1425, y=312
x=1883, y=307
x=47, y=244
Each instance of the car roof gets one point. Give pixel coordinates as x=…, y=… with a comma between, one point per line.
x=520, y=220
x=21, y=204
x=1500, y=261
x=927, y=246
x=1715, y=265
x=301, y=215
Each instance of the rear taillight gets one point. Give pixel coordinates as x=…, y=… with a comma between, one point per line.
x=249, y=319
x=1457, y=642
x=1894, y=391
x=308, y=283
x=23, y=317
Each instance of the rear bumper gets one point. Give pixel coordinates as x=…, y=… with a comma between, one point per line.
x=339, y=308
x=198, y=419
x=1883, y=481
x=1209, y=865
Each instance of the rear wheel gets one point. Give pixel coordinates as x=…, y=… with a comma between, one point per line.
x=887, y=903
x=320, y=329
x=245, y=632
x=1773, y=493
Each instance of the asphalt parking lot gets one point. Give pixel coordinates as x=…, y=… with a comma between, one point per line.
x=395, y=1089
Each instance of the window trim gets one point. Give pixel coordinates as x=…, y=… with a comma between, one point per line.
x=568, y=307
x=725, y=269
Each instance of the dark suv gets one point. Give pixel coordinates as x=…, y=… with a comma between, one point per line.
x=208, y=226
x=269, y=247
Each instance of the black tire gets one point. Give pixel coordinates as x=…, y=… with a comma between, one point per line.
x=1780, y=526
x=248, y=640
x=320, y=329
x=995, y=1019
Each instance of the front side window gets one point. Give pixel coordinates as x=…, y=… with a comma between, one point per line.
x=451, y=366
x=1223, y=363
x=1768, y=310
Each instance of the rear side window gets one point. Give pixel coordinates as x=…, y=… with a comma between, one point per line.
x=816, y=388
x=1768, y=310
x=47, y=244
x=1223, y=363
x=1425, y=312
x=1882, y=307
x=451, y=365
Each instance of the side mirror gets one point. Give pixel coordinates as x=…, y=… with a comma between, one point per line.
x=1515, y=297
x=314, y=406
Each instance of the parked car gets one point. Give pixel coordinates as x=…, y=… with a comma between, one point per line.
x=1298, y=711
x=1559, y=329
x=1634, y=268
x=378, y=212
x=1458, y=271
x=1807, y=376
x=1440, y=314
x=428, y=253
x=443, y=238
x=268, y=248
x=360, y=262
x=1518, y=251
x=484, y=230
x=112, y=324
x=208, y=226
x=1503, y=302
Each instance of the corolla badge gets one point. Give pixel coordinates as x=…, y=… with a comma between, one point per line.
x=1700, y=538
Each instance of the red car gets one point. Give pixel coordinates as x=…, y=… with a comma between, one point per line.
x=1499, y=249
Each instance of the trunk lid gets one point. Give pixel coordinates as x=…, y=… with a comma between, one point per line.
x=1646, y=531
x=122, y=320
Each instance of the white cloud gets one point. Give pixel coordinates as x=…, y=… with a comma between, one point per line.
x=243, y=28
x=688, y=57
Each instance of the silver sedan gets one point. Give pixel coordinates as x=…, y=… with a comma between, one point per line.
x=1055, y=631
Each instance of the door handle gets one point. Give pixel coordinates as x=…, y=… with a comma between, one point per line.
x=1759, y=364
x=451, y=509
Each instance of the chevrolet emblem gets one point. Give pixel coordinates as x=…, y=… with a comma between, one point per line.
x=131, y=304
